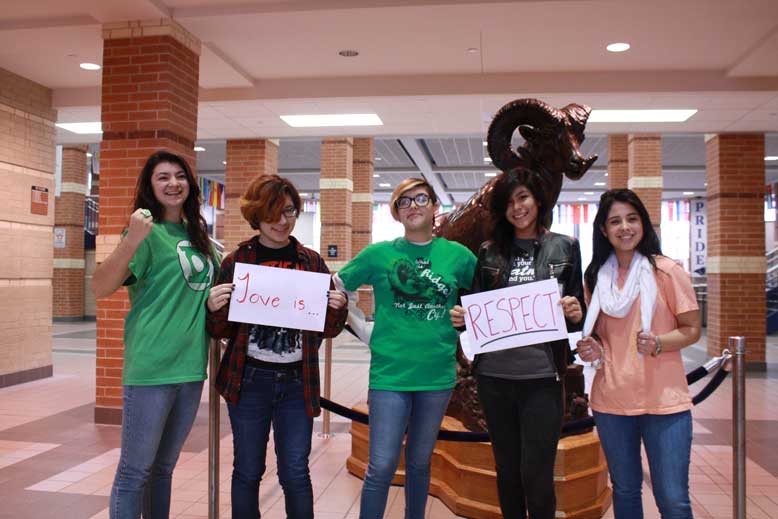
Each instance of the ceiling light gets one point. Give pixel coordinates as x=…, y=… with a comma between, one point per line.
x=384, y=184
x=224, y=162
x=378, y=158
x=589, y=192
x=493, y=174
x=641, y=116
x=485, y=143
x=617, y=47
x=82, y=128
x=304, y=194
x=90, y=66
x=581, y=198
x=599, y=184
x=688, y=192
x=88, y=155
x=605, y=175
x=487, y=159
x=199, y=148
x=314, y=121
x=376, y=175
x=472, y=50
x=349, y=53
x=771, y=157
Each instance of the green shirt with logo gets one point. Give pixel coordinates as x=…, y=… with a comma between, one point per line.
x=413, y=345
x=165, y=341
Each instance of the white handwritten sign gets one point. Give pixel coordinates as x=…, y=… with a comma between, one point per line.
x=280, y=297
x=510, y=317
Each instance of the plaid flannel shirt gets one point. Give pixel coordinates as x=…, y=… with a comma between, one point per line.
x=230, y=376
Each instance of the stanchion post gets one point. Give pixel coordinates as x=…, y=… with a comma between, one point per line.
x=738, y=345
x=214, y=350
x=325, y=415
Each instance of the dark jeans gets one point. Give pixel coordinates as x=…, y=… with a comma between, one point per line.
x=266, y=397
x=524, y=419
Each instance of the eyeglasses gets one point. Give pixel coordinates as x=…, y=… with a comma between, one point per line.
x=404, y=202
x=290, y=212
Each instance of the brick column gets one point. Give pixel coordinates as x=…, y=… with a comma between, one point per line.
x=246, y=159
x=69, y=224
x=644, y=154
x=336, y=186
x=362, y=209
x=149, y=102
x=27, y=164
x=618, y=161
x=736, y=264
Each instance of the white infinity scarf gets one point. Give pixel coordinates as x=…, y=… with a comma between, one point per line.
x=617, y=303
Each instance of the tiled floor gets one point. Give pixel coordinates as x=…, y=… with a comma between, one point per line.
x=56, y=463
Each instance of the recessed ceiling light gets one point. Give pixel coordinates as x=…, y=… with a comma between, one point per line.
x=487, y=159
x=617, y=47
x=589, y=192
x=688, y=192
x=641, y=116
x=599, y=184
x=90, y=66
x=485, y=143
x=224, y=162
x=384, y=184
x=492, y=174
x=304, y=194
x=199, y=148
x=82, y=128
x=605, y=175
x=349, y=53
x=88, y=155
x=580, y=198
x=320, y=120
x=378, y=158
x=376, y=175
x=771, y=157
x=472, y=50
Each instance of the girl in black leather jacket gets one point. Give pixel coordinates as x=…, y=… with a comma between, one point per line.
x=520, y=389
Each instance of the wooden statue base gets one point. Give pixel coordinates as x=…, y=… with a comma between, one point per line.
x=463, y=474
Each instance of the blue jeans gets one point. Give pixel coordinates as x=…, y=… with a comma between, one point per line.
x=668, y=442
x=390, y=413
x=155, y=422
x=269, y=396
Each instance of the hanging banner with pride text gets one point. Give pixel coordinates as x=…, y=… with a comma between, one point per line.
x=280, y=297
x=510, y=317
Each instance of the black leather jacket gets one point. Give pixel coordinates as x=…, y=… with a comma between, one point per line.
x=556, y=256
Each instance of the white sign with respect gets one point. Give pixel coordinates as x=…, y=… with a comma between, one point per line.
x=511, y=317
x=280, y=297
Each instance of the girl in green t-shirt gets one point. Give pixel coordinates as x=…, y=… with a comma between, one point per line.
x=166, y=260
x=415, y=280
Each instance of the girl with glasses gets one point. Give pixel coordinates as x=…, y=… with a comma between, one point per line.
x=415, y=280
x=269, y=375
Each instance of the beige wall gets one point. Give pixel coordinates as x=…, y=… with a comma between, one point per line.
x=27, y=159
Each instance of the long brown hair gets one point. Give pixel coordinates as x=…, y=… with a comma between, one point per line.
x=196, y=227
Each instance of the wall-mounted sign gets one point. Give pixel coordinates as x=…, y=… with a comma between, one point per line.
x=332, y=251
x=60, y=237
x=39, y=200
x=698, y=250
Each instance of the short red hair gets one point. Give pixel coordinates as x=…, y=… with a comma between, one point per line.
x=263, y=200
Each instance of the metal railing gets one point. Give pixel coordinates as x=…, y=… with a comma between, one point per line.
x=738, y=347
x=91, y=213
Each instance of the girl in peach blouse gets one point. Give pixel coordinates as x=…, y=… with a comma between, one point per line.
x=642, y=312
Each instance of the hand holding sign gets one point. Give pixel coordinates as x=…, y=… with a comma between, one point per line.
x=279, y=297
x=510, y=317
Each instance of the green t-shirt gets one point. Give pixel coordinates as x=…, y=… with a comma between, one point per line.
x=165, y=341
x=413, y=345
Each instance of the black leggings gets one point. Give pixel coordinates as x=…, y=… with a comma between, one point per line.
x=524, y=419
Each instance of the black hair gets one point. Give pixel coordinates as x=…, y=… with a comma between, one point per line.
x=502, y=231
x=601, y=246
x=196, y=227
